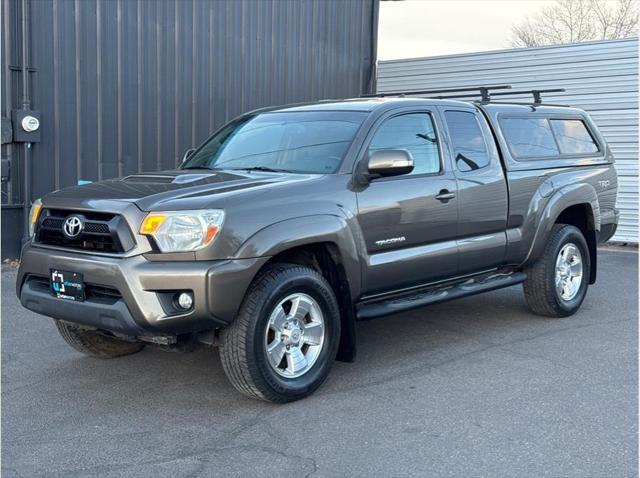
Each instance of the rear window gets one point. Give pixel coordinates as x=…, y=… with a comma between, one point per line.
x=573, y=136
x=529, y=137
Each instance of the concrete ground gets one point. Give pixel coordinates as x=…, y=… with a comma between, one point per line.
x=477, y=387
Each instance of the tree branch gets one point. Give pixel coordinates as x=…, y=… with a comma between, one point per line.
x=569, y=21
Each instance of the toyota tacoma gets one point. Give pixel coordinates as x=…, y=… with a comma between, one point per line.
x=290, y=224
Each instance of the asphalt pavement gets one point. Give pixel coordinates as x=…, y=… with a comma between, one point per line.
x=476, y=387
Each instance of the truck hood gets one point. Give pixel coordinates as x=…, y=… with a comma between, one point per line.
x=172, y=190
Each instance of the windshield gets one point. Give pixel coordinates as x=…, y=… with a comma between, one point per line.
x=299, y=142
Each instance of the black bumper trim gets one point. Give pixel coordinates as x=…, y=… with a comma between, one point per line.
x=113, y=317
x=606, y=232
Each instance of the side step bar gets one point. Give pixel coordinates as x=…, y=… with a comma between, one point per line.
x=371, y=310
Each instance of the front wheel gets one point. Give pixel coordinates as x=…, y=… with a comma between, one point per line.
x=557, y=282
x=96, y=344
x=284, y=340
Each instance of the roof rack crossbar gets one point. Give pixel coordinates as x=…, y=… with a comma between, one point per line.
x=523, y=103
x=537, y=94
x=484, y=91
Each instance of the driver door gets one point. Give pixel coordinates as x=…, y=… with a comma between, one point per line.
x=409, y=222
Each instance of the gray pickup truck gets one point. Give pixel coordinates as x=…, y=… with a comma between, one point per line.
x=289, y=224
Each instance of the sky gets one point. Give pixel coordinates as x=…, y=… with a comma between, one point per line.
x=415, y=28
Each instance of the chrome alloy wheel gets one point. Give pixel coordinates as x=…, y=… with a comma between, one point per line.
x=568, y=271
x=295, y=335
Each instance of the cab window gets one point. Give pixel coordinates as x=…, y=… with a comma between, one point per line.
x=469, y=147
x=414, y=132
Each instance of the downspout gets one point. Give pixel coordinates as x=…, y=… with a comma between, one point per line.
x=26, y=105
x=375, y=17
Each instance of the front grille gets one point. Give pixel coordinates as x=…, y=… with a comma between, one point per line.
x=57, y=238
x=52, y=223
x=93, y=292
x=102, y=232
x=96, y=228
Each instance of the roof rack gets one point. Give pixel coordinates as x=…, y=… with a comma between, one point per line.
x=537, y=94
x=485, y=93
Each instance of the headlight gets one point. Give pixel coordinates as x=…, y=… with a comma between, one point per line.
x=181, y=231
x=34, y=212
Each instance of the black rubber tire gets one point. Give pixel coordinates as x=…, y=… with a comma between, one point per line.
x=242, y=350
x=95, y=344
x=539, y=288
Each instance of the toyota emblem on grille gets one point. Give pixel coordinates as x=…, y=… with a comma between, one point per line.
x=72, y=226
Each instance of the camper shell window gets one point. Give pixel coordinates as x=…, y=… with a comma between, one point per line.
x=544, y=137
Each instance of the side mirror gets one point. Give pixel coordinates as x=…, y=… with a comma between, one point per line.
x=389, y=162
x=188, y=153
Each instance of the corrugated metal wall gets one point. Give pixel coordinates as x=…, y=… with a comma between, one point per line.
x=127, y=86
x=600, y=77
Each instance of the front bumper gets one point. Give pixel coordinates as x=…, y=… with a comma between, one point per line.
x=143, y=285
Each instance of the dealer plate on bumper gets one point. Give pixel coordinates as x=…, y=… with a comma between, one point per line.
x=67, y=285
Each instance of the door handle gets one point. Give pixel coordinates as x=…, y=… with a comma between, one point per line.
x=445, y=195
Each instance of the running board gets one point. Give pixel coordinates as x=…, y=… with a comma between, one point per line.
x=401, y=303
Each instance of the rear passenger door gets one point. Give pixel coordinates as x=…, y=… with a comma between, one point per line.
x=482, y=190
x=409, y=222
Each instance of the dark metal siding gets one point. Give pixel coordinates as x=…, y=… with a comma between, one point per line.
x=127, y=86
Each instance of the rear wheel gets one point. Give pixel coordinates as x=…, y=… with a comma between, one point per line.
x=284, y=340
x=557, y=283
x=95, y=344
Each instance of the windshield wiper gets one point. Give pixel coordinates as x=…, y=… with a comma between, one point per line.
x=198, y=167
x=261, y=168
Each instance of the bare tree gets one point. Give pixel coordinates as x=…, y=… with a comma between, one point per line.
x=569, y=21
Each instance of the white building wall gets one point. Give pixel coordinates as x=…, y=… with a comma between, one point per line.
x=600, y=77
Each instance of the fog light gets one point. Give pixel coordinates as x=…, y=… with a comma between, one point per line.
x=185, y=300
